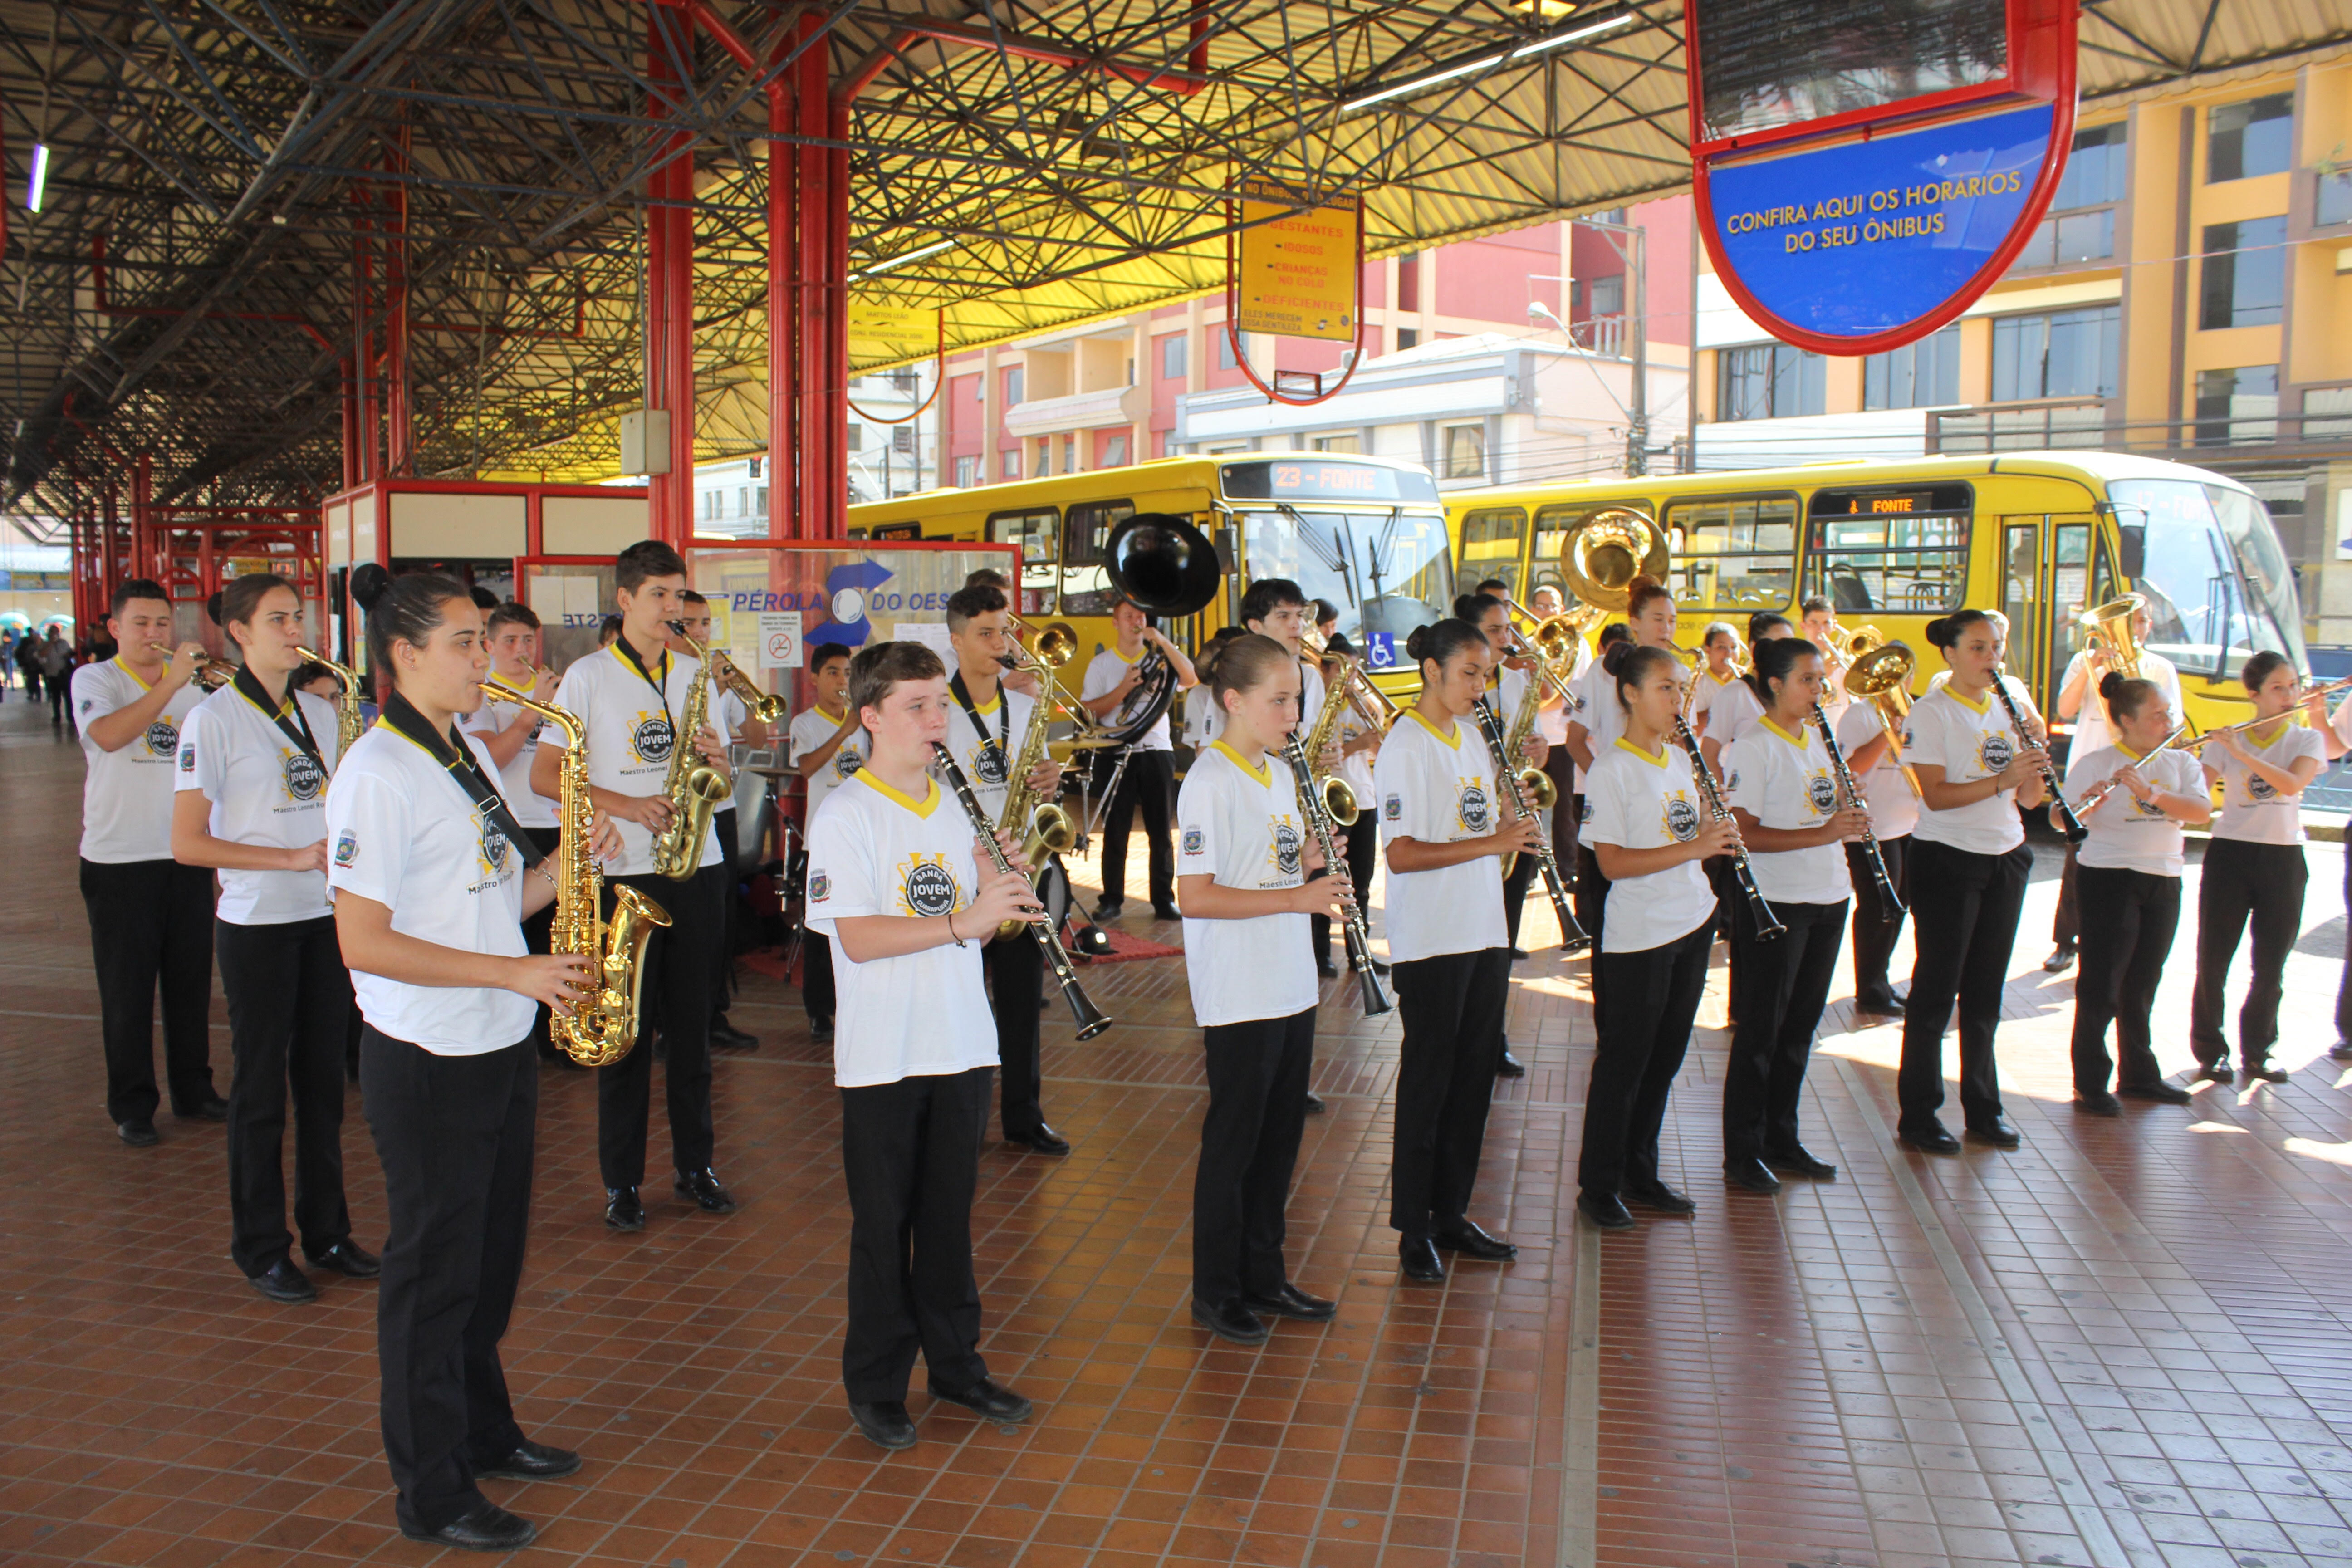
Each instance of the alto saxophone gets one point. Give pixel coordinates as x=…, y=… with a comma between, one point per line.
x=349, y=720
x=694, y=787
x=604, y=1022
x=1042, y=827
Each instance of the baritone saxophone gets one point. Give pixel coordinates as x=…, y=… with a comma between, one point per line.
x=603, y=1021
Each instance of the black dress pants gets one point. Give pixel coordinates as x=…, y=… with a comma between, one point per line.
x=1654, y=997
x=1875, y=926
x=1149, y=781
x=731, y=896
x=1452, y=1005
x=1017, y=983
x=2243, y=882
x=151, y=922
x=817, y=998
x=1966, y=920
x=538, y=932
x=455, y=1136
x=1787, y=982
x=1249, y=1146
x=2123, y=954
x=910, y=1153
x=676, y=990
x=1566, y=811
x=2066, y=923
x=1592, y=900
x=289, y=1010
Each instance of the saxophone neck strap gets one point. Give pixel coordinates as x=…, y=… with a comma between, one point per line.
x=458, y=760
x=1003, y=738
x=637, y=662
x=287, y=715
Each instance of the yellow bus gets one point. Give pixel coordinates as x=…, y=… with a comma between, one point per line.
x=2037, y=535
x=1367, y=534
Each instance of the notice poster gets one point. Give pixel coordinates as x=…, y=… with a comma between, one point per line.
x=1299, y=268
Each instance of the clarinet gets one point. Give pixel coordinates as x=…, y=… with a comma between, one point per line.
x=1888, y=902
x=2069, y=823
x=1089, y=1018
x=1360, y=937
x=1572, y=935
x=1767, y=924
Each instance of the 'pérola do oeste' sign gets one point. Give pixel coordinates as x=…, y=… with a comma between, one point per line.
x=1864, y=169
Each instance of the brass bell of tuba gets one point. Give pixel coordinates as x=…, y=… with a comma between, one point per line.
x=1606, y=549
x=2109, y=625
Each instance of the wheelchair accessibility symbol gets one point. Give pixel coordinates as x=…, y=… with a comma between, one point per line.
x=1379, y=650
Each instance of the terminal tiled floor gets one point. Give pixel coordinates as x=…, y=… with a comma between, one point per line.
x=2127, y=1344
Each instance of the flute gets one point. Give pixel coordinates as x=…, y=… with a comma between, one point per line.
x=2070, y=824
x=1767, y=924
x=1360, y=936
x=1892, y=904
x=1572, y=937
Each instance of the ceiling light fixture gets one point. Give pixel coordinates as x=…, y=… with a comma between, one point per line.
x=1486, y=62
x=38, y=186
x=904, y=257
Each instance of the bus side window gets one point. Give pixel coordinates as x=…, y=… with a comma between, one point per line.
x=1490, y=547
x=1903, y=565
x=1085, y=587
x=1734, y=554
x=1037, y=534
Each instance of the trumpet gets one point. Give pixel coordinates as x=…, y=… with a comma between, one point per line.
x=211, y=674
x=765, y=706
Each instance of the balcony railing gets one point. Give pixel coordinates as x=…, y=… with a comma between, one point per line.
x=2035, y=426
x=1604, y=335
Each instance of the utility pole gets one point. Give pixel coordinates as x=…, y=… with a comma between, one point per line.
x=1630, y=245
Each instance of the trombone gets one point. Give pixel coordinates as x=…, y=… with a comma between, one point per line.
x=1550, y=643
x=1376, y=708
x=765, y=706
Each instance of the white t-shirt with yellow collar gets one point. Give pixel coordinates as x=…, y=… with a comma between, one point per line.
x=1439, y=787
x=1241, y=825
x=1642, y=800
x=1970, y=739
x=1785, y=781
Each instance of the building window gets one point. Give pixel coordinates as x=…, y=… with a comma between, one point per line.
x=763, y=500
x=967, y=472
x=1917, y=375
x=1408, y=338
x=1733, y=554
x=1045, y=458
x=1350, y=442
x=1225, y=360
x=1465, y=451
x=751, y=467
x=1163, y=443
x=1014, y=382
x=2335, y=200
x=1069, y=454
x=2094, y=179
x=2327, y=413
x=902, y=380
x=1172, y=357
x=1608, y=295
x=2243, y=140
x=1115, y=452
x=1769, y=381
x=2069, y=353
x=1011, y=464
x=857, y=438
x=2245, y=274
x=2235, y=406
x=902, y=440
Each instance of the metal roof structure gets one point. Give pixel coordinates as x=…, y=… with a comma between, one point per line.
x=213, y=169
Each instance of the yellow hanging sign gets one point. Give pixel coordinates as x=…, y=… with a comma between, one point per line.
x=883, y=328
x=1299, y=271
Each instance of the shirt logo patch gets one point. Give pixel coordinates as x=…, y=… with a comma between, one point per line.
x=1392, y=808
x=652, y=738
x=1195, y=841
x=347, y=848
x=1586, y=815
x=988, y=765
x=1993, y=752
x=162, y=738
x=1820, y=793
x=304, y=778
x=1474, y=809
x=1682, y=819
x=1287, y=845
x=926, y=888
x=845, y=763
x=2259, y=788
x=188, y=758
x=820, y=888
x=494, y=847
x=1731, y=781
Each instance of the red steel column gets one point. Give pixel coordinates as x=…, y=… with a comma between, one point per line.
x=400, y=455
x=362, y=344
x=669, y=289
x=785, y=508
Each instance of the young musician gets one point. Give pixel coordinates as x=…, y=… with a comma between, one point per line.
x=1436, y=785
x=1734, y=710
x=511, y=736
x=1886, y=789
x=1551, y=723
x=2338, y=738
x=1721, y=644
x=1784, y=796
x=1511, y=675
x=630, y=699
x=1150, y=779
x=1648, y=826
x=828, y=746
x=428, y=869
x=2130, y=871
x=151, y=917
x=985, y=734
x=1968, y=865
x=731, y=718
x=1359, y=841
x=1818, y=618
x=255, y=758
x=1241, y=872
x=1650, y=622
x=896, y=881
x=2255, y=869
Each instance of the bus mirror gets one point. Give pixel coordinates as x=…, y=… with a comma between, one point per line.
x=1224, y=541
x=2131, y=536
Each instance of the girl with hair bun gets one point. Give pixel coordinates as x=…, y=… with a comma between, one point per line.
x=1649, y=623
x=2130, y=871
x=1739, y=704
x=2255, y=869
x=1438, y=792
x=1969, y=866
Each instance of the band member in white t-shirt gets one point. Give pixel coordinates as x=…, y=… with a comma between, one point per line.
x=1551, y=723
x=1818, y=617
x=985, y=734
x=1732, y=710
x=1243, y=852
x=895, y=881
x=255, y=758
x=1506, y=689
x=430, y=888
x=151, y=917
x=1149, y=780
x=733, y=722
x=631, y=698
x=511, y=735
x=1893, y=804
x=1784, y=794
x=1438, y=794
x=2255, y=869
x=1650, y=622
x=828, y=746
x=1968, y=865
x=1647, y=822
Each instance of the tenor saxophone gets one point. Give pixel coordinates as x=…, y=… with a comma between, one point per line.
x=695, y=788
x=603, y=1021
x=1042, y=827
x=349, y=720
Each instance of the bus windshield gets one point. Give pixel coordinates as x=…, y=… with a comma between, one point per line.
x=1388, y=570
x=2216, y=579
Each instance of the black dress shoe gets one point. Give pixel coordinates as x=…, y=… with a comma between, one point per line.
x=703, y=1187
x=531, y=1461
x=726, y=1034
x=1510, y=1066
x=1290, y=1301
x=1314, y=1103
x=1750, y=1175
x=2097, y=1102
x=1108, y=909
x=1659, y=1197
x=622, y=1209
x=1040, y=1139
x=2216, y=1073
x=2161, y=1092
x=215, y=1109
x=284, y=1283
x=139, y=1132
x=488, y=1527
x=1517, y=954
x=1166, y=912
x=1230, y=1321
x=1324, y=971
x=2341, y=1051
x=1935, y=1137
x=1417, y=1254
x=2260, y=1067
x=884, y=1422
x=1887, y=1007
x=989, y=1399
x=2061, y=959
x=1606, y=1210
x=1465, y=1238
x=347, y=1257
x=1800, y=1161
x=1997, y=1133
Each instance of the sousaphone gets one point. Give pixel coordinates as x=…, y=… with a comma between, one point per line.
x=1169, y=569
